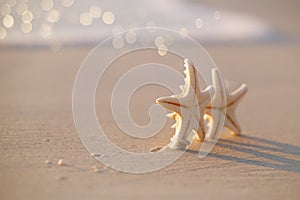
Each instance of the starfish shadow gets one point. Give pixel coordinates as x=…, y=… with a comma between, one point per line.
x=277, y=153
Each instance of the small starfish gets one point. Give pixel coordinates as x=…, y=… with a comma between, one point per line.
x=188, y=108
x=232, y=101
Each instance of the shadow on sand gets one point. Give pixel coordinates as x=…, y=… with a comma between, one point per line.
x=245, y=145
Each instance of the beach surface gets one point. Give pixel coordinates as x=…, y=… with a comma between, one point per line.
x=36, y=124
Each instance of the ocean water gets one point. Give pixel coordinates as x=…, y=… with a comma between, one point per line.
x=67, y=22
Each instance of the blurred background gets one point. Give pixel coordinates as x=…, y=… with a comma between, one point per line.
x=59, y=23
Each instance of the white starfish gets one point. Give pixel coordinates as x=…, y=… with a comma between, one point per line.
x=232, y=100
x=188, y=108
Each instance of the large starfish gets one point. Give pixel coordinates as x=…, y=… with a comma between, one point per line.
x=232, y=101
x=188, y=108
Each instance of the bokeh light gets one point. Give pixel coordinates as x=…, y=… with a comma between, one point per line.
x=85, y=19
x=53, y=16
x=8, y=21
x=46, y=30
x=217, y=15
x=118, y=42
x=130, y=37
x=108, y=17
x=46, y=5
x=95, y=11
x=162, y=50
x=159, y=40
x=67, y=3
x=199, y=23
x=24, y=16
x=27, y=16
x=26, y=27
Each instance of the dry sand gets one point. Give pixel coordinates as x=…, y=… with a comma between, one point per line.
x=36, y=124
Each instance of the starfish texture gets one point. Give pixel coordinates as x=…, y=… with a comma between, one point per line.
x=232, y=100
x=194, y=110
x=188, y=108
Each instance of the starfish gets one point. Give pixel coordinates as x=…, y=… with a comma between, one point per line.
x=228, y=108
x=188, y=109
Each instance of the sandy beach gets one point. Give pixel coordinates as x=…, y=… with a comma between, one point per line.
x=36, y=124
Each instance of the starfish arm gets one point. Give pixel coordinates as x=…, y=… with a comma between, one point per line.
x=191, y=83
x=219, y=97
x=171, y=115
x=170, y=103
x=233, y=100
x=179, y=141
x=237, y=95
x=204, y=96
x=203, y=100
x=215, y=109
x=200, y=131
x=231, y=123
x=191, y=87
